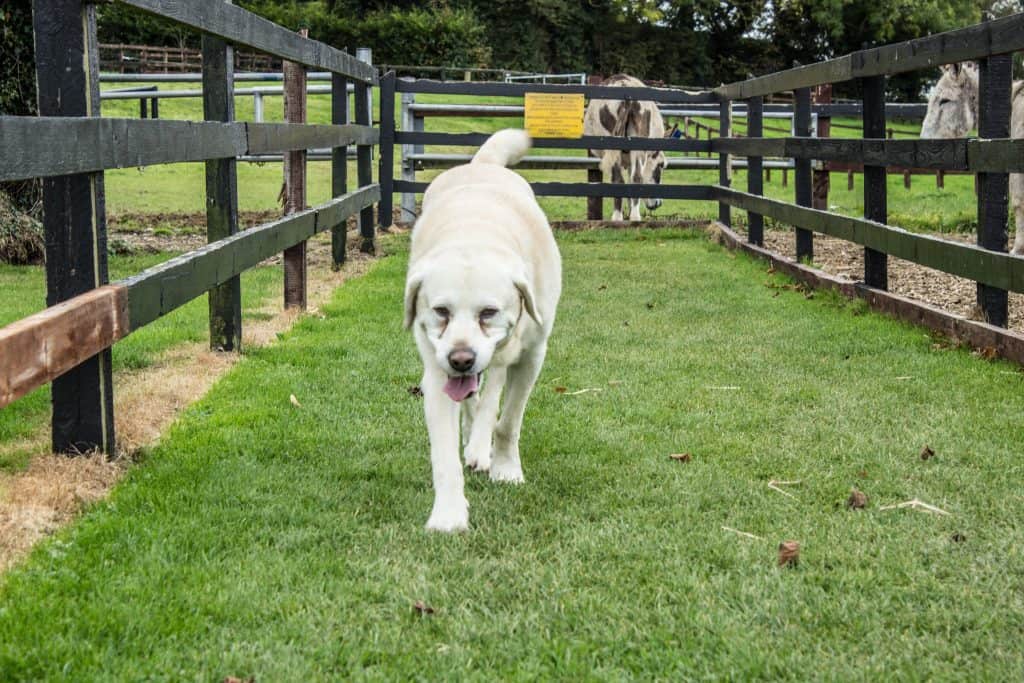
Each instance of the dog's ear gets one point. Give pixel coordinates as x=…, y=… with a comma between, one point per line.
x=526, y=292
x=412, y=292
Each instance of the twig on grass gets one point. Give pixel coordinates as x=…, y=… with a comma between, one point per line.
x=916, y=505
x=582, y=391
x=774, y=485
x=743, y=533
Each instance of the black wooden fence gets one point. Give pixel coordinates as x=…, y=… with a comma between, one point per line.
x=69, y=343
x=69, y=146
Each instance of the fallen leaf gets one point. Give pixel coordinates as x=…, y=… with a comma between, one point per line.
x=789, y=553
x=233, y=679
x=681, y=457
x=857, y=500
x=863, y=474
x=415, y=391
x=423, y=608
x=560, y=390
x=927, y=453
x=295, y=401
x=602, y=288
x=650, y=305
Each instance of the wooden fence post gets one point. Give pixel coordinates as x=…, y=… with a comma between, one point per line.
x=74, y=220
x=802, y=170
x=364, y=164
x=820, y=182
x=225, y=301
x=876, y=263
x=386, y=154
x=755, y=165
x=995, y=83
x=295, y=182
x=339, y=166
x=724, y=159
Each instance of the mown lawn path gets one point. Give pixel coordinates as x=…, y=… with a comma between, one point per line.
x=286, y=542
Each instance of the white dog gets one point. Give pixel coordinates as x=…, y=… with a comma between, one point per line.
x=483, y=284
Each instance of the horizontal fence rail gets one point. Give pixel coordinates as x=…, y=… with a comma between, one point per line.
x=631, y=190
x=997, y=37
x=95, y=144
x=240, y=27
x=520, y=89
x=109, y=313
x=965, y=260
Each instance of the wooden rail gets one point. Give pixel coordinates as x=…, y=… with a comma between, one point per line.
x=69, y=146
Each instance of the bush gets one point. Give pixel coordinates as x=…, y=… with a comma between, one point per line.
x=21, y=235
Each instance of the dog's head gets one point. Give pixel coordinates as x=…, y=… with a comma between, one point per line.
x=466, y=309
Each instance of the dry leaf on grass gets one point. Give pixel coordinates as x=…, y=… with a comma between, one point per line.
x=789, y=553
x=560, y=390
x=857, y=500
x=234, y=679
x=295, y=401
x=423, y=608
x=927, y=453
x=681, y=457
x=415, y=391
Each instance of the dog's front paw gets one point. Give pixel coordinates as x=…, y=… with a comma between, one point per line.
x=478, y=459
x=507, y=470
x=449, y=518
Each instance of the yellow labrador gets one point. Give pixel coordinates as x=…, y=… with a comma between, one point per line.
x=483, y=284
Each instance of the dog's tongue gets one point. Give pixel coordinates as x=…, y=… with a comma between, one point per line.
x=458, y=388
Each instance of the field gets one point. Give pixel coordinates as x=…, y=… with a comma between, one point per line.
x=285, y=542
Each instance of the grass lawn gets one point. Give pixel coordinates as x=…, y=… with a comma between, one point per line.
x=264, y=539
x=24, y=290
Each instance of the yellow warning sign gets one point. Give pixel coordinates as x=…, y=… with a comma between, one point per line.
x=554, y=115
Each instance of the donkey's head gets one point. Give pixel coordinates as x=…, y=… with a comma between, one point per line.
x=953, y=103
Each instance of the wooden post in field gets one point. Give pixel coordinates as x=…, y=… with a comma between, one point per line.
x=755, y=164
x=225, y=301
x=363, y=105
x=386, y=153
x=295, y=182
x=820, y=184
x=802, y=170
x=724, y=159
x=993, y=188
x=339, y=166
x=876, y=263
x=74, y=220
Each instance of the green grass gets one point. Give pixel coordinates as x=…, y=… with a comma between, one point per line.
x=24, y=290
x=180, y=187
x=286, y=543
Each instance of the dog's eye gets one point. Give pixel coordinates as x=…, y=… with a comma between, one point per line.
x=488, y=313
x=442, y=312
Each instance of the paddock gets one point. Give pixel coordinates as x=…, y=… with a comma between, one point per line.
x=707, y=399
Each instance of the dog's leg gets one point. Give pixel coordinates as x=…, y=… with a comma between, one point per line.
x=478, y=451
x=521, y=378
x=451, y=510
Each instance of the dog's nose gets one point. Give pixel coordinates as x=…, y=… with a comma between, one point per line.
x=461, y=360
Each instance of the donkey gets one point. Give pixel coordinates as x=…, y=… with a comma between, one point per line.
x=627, y=118
x=953, y=112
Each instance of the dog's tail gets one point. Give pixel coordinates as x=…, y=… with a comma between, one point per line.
x=504, y=148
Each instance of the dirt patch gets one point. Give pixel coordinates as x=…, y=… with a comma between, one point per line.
x=156, y=232
x=846, y=260
x=49, y=493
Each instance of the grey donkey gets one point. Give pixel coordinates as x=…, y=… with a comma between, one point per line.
x=953, y=112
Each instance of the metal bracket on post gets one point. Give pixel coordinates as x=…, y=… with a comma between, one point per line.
x=74, y=218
